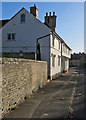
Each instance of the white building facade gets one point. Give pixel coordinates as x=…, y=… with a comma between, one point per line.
x=24, y=29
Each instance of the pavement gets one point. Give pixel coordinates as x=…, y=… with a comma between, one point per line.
x=78, y=104
x=54, y=100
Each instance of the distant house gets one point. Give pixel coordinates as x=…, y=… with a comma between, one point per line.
x=78, y=60
x=24, y=31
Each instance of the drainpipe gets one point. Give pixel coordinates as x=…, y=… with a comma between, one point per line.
x=37, y=45
x=61, y=56
x=38, y=40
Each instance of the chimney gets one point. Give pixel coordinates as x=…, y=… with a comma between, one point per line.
x=51, y=21
x=46, y=14
x=34, y=11
x=50, y=13
x=53, y=13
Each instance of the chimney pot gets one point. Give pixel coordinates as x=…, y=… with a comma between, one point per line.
x=34, y=5
x=53, y=13
x=46, y=14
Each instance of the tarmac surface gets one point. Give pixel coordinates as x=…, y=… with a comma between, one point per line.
x=60, y=98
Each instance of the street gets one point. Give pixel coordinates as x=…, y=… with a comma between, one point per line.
x=56, y=99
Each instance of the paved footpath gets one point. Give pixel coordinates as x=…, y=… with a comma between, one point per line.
x=78, y=103
x=52, y=101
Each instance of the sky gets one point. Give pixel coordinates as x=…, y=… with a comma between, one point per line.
x=69, y=23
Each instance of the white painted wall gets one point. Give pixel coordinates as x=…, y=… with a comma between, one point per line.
x=26, y=36
x=26, y=33
x=66, y=51
x=45, y=50
x=56, y=51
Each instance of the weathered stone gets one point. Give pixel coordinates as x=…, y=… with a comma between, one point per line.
x=19, y=78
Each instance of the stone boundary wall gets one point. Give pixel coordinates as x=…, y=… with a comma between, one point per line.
x=20, y=77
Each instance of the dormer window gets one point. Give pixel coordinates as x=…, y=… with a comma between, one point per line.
x=22, y=18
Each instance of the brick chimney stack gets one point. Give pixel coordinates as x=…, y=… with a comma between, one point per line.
x=34, y=11
x=51, y=21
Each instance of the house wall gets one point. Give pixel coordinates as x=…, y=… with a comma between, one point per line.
x=45, y=51
x=65, y=64
x=25, y=41
x=66, y=52
x=55, y=51
x=64, y=57
x=20, y=77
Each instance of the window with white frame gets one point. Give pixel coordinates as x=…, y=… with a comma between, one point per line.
x=68, y=51
x=11, y=36
x=63, y=47
x=22, y=18
x=53, y=60
x=58, y=60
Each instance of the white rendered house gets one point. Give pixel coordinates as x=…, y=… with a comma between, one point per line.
x=23, y=31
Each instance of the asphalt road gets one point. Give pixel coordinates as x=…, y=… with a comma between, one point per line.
x=55, y=99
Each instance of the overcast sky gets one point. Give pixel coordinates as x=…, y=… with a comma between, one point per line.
x=70, y=19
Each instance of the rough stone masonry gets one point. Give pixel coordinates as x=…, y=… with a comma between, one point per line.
x=20, y=77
